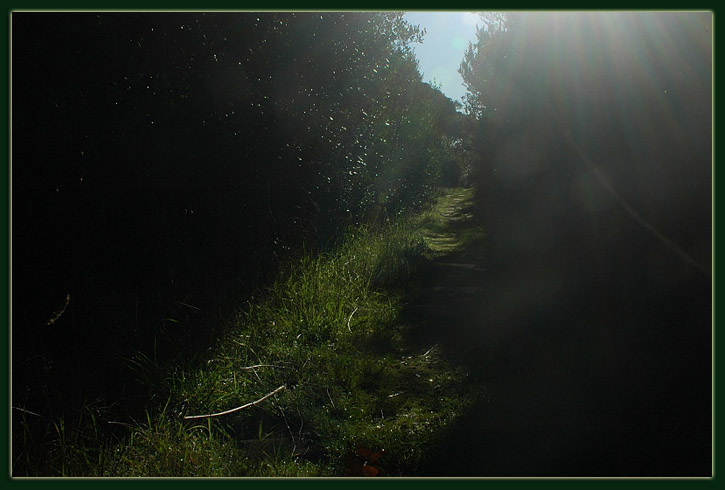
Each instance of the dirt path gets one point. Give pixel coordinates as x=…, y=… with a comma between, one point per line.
x=573, y=388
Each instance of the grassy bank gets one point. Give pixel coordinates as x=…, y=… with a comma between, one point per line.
x=321, y=363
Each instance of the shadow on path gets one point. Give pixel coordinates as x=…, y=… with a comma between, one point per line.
x=580, y=381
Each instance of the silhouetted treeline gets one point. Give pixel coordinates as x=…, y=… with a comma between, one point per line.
x=595, y=144
x=165, y=162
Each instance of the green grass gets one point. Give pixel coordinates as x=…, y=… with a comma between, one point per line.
x=328, y=330
x=445, y=226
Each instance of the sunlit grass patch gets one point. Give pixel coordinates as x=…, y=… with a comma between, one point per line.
x=323, y=366
x=329, y=331
x=446, y=226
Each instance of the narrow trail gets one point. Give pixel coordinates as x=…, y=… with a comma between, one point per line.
x=571, y=388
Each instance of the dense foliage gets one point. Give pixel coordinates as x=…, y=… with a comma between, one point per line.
x=165, y=162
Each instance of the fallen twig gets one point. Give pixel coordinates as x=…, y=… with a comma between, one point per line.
x=28, y=412
x=350, y=318
x=188, y=305
x=259, y=366
x=430, y=350
x=227, y=412
x=60, y=312
x=328, y=396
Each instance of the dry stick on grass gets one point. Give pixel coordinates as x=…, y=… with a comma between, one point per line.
x=60, y=312
x=348, y=320
x=29, y=412
x=430, y=350
x=227, y=412
x=247, y=368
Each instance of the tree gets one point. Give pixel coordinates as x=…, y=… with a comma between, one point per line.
x=568, y=94
x=171, y=159
x=594, y=131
